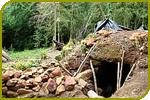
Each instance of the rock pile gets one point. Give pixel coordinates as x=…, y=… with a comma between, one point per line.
x=44, y=81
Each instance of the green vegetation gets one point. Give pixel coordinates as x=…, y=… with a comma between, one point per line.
x=28, y=26
x=22, y=65
x=26, y=59
x=34, y=25
x=28, y=54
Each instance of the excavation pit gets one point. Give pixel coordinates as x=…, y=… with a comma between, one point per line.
x=106, y=76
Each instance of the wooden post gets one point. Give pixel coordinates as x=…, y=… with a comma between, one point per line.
x=94, y=77
x=121, y=67
x=118, y=75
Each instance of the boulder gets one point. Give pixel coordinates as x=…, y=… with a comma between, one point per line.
x=59, y=80
x=75, y=93
x=17, y=74
x=38, y=79
x=36, y=89
x=51, y=85
x=82, y=83
x=11, y=94
x=45, y=78
x=12, y=82
x=28, y=72
x=5, y=77
x=43, y=90
x=21, y=84
x=60, y=89
x=23, y=91
x=34, y=70
x=41, y=70
x=56, y=72
x=4, y=90
x=85, y=75
x=69, y=83
x=10, y=72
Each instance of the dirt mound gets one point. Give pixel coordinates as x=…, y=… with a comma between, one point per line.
x=107, y=53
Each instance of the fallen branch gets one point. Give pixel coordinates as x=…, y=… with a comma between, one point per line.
x=65, y=69
x=94, y=77
x=133, y=66
x=87, y=56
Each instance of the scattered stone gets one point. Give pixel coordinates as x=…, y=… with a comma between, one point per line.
x=75, y=93
x=92, y=94
x=85, y=75
x=11, y=94
x=29, y=95
x=41, y=70
x=23, y=76
x=51, y=85
x=21, y=84
x=53, y=62
x=43, y=91
x=59, y=80
x=36, y=89
x=34, y=70
x=28, y=72
x=56, y=64
x=51, y=75
x=69, y=83
x=60, y=89
x=17, y=74
x=82, y=83
x=3, y=84
x=35, y=83
x=23, y=91
x=13, y=88
x=45, y=78
x=30, y=80
x=12, y=82
x=10, y=72
x=30, y=85
x=38, y=79
x=5, y=77
x=4, y=90
x=56, y=72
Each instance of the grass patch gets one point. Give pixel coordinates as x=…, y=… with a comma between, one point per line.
x=26, y=59
x=28, y=54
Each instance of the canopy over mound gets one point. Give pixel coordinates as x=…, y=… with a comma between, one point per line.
x=109, y=25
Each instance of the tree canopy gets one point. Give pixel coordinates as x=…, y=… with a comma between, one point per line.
x=30, y=25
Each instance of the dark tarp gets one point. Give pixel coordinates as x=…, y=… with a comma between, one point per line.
x=109, y=25
x=142, y=28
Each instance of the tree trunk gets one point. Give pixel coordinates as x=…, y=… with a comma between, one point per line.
x=55, y=20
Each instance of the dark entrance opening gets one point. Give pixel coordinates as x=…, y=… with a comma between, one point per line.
x=107, y=77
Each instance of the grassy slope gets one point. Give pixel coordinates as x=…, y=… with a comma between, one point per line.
x=24, y=59
x=28, y=54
